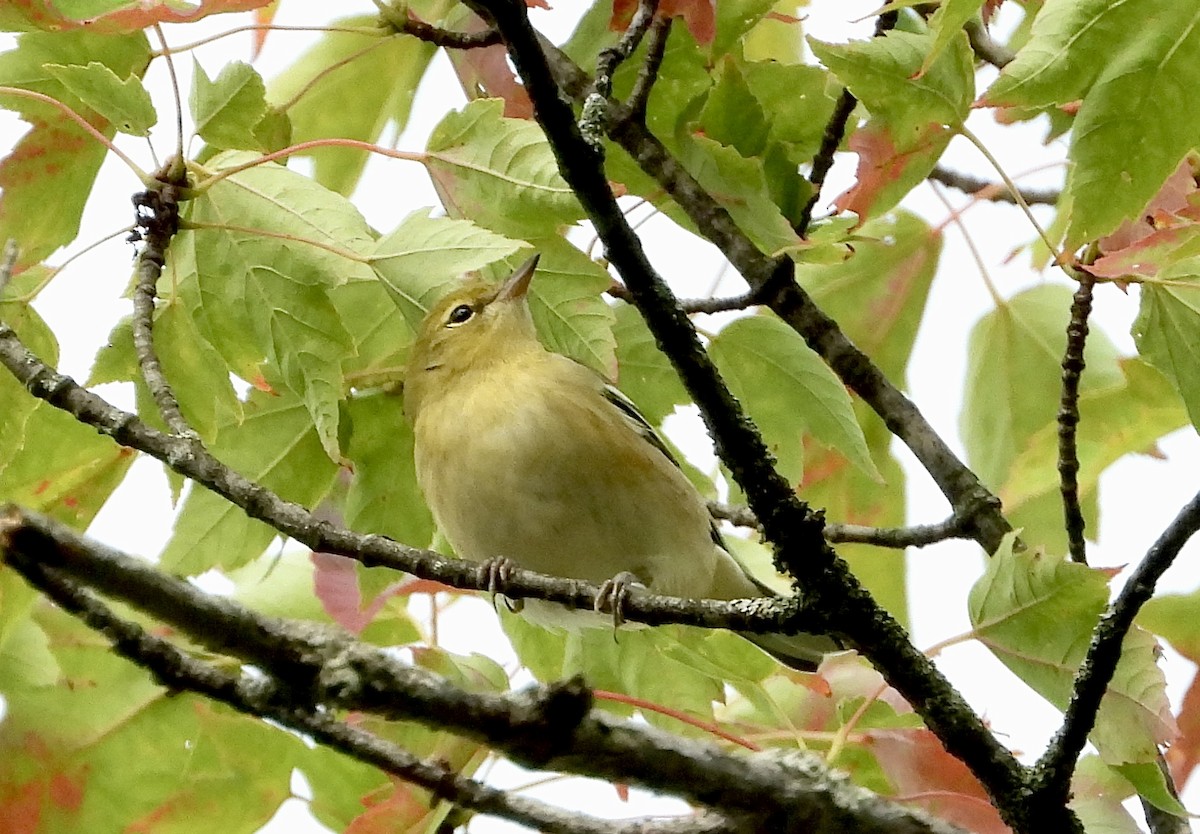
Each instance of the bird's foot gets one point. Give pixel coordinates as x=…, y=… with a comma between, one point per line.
x=495, y=572
x=614, y=593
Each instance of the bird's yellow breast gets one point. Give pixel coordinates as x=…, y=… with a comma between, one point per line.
x=552, y=475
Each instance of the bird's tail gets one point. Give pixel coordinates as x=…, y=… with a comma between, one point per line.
x=799, y=651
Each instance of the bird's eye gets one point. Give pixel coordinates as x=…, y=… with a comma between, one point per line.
x=460, y=314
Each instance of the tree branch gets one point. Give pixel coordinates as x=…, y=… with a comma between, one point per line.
x=406, y=23
x=967, y=496
x=997, y=191
x=259, y=698
x=157, y=222
x=918, y=535
x=1054, y=768
x=190, y=459
x=594, y=115
x=547, y=727
x=609, y=59
x=792, y=529
x=656, y=47
x=1068, y=417
x=835, y=131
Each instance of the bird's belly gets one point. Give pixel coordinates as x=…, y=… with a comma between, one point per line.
x=565, y=504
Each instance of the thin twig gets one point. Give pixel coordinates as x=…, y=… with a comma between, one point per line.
x=1068, y=418
x=400, y=19
x=158, y=220
x=718, y=305
x=1158, y=820
x=995, y=191
x=694, y=305
x=656, y=47
x=609, y=59
x=835, y=131
x=1054, y=768
x=447, y=39
x=918, y=535
x=595, y=106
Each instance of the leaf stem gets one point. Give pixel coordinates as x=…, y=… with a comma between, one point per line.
x=1017, y=196
x=83, y=123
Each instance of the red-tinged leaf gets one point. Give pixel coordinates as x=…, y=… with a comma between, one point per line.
x=821, y=464
x=487, y=70
x=335, y=582
x=1151, y=254
x=399, y=810
x=54, y=156
x=537, y=4
x=1185, y=752
x=699, y=16
x=622, y=791
x=132, y=16
x=1167, y=204
x=54, y=787
x=924, y=774
x=881, y=167
x=57, y=159
x=424, y=586
x=337, y=585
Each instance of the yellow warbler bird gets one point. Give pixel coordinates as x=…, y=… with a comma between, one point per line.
x=527, y=456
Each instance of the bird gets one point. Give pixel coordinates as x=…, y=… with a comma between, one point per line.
x=526, y=457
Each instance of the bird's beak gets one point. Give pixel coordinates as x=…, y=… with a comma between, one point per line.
x=518, y=283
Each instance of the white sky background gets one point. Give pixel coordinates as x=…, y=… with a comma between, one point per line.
x=1139, y=495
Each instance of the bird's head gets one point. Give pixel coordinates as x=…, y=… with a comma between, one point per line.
x=474, y=327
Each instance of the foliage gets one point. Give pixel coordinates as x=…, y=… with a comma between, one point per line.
x=283, y=320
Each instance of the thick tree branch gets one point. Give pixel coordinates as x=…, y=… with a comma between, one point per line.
x=968, y=497
x=259, y=697
x=787, y=523
x=1054, y=768
x=547, y=727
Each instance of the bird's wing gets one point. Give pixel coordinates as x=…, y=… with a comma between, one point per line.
x=637, y=421
x=799, y=651
x=642, y=426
